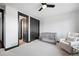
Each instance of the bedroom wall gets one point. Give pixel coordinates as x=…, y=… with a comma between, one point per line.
x=2, y=6
x=61, y=24
x=10, y=27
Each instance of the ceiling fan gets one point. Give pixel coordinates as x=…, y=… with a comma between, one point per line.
x=45, y=5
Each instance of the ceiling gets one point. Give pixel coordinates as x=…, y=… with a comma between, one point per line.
x=32, y=9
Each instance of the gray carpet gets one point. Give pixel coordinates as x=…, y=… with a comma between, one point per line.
x=35, y=48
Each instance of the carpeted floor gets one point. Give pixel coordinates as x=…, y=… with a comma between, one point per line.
x=35, y=48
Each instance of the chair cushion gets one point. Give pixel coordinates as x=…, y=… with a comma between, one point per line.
x=76, y=35
x=70, y=39
x=65, y=42
x=73, y=37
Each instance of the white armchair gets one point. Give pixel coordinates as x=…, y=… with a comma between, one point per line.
x=68, y=43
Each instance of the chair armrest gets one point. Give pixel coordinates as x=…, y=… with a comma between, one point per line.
x=62, y=40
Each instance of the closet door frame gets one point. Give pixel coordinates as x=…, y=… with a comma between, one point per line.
x=1, y=10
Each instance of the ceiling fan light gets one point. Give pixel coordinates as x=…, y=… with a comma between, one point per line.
x=44, y=6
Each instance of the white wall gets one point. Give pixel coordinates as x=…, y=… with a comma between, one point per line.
x=10, y=27
x=2, y=6
x=61, y=24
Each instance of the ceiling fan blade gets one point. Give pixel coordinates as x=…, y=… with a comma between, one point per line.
x=40, y=9
x=51, y=6
x=43, y=3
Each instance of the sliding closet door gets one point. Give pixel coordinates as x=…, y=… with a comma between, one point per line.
x=34, y=29
x=1, y=29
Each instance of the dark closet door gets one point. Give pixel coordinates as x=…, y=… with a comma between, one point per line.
x=1, y=28
x=34, y=29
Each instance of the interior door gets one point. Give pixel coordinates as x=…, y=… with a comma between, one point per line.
x=23, y=27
